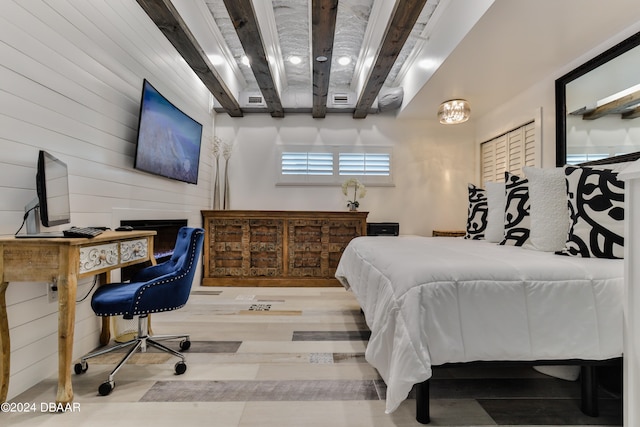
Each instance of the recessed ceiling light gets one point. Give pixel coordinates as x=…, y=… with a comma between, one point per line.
x=344, y=60
x=321, y=58
x=245, y=60
x=295, y=60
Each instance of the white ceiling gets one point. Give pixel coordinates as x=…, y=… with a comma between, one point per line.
x=485, y=51
x=518, y=43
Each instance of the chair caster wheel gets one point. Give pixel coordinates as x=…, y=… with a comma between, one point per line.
x=80, y=368
x=105, y=388
x=185, y=345
x=180, y=368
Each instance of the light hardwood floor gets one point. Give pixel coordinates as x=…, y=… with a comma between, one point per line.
x=292, y=357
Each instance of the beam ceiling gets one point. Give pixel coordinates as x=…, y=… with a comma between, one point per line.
x=168, y=20
x=323, y=26
x=371, y=34
x=245, y=22
x=617, y=106
x=404, y=16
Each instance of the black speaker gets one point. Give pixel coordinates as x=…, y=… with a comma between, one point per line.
x=383, y=229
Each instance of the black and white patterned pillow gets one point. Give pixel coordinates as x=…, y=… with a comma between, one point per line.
x=596, y=207
x=517, y=222
x=477, y=213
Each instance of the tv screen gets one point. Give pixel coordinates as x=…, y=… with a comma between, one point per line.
x=168, y=141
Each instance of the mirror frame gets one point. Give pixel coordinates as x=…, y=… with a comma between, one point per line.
x=561, y=90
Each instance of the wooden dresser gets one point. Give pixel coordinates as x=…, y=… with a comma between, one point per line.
x=276, y=248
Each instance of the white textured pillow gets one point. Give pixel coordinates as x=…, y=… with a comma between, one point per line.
x=549, y=211
x=495, y=219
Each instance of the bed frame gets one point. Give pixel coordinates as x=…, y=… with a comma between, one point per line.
x=588, y=382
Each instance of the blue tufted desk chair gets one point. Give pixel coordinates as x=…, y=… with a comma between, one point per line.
x=158, y=288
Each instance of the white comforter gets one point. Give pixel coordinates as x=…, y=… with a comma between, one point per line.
x=430, y=301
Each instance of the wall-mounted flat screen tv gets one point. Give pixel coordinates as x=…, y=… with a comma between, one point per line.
x=168, y=141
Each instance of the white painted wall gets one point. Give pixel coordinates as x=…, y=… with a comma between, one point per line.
x=541, y=96
x=71, y=75
x=432, y=165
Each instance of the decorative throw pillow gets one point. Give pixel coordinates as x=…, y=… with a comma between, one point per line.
x=596, y=207
x=477, y=214
x=495, y=219
x=548, y=208
x=516, y=212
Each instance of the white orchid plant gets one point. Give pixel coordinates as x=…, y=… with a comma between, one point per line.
x=359, y=190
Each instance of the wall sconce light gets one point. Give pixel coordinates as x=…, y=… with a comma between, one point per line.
x=454, y=111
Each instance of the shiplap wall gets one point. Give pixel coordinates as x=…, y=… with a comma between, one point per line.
x=71, y=74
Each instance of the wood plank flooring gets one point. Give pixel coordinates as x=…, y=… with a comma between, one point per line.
x=290, y=357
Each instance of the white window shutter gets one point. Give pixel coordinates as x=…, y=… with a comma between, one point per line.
x=508, y=152
x=488, y=161
x=302, y=163
x=530, y=144
x=366, y=164
x=329, y=165
x=501, y=158
x=515, y=151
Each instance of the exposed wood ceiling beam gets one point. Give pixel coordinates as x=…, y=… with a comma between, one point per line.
x=245, y=22
x=323, y=25
x=168, y=20
x=633, y=114
x=398, y=29
x=614, y=107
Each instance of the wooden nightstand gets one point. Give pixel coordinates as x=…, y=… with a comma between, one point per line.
x=449, y=233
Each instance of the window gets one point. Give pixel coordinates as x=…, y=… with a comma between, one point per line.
x=365, y=164
x=331, y=165
x=302, y=163
x=574, y=159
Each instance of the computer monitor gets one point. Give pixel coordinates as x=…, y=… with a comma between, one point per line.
x=51, y=206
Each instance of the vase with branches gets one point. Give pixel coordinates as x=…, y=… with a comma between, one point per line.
x=216, y=147
x=227, y=148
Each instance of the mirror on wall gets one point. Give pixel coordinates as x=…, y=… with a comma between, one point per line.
x=598, y=106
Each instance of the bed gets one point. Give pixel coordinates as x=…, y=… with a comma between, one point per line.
x=433, y=301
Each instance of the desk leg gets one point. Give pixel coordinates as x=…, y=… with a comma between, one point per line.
x=105, y=333
x=5, y=346
x=67, y=286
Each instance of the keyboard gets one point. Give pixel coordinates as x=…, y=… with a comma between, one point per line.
x=87, y=232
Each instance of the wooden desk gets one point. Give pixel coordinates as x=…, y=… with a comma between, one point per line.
x=64, y=260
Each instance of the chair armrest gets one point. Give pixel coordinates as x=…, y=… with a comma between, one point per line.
x=153, y=272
